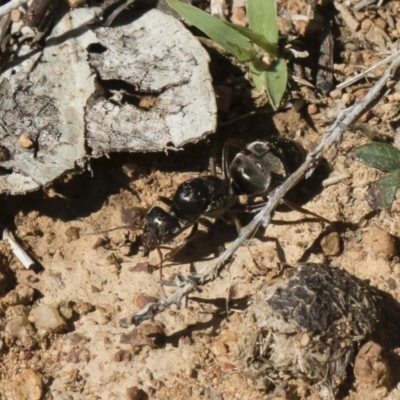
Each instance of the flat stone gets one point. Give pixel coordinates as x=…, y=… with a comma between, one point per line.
x=47, y=318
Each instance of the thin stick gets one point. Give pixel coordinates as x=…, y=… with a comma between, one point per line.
x=11, y=5
x=334, y=180
x=364, y=74
x=18, y=251
x=332, y=136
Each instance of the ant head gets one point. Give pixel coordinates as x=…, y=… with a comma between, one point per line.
x=159, y=227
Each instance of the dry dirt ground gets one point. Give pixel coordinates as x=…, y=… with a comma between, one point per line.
x=186, y=353
x=95, y=286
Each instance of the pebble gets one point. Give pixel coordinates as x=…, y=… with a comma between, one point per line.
x=122, y=355
x=4, y=154
x=366, y=25
x=369, y=367
x=19, y=326
x=228, y=336
x=379, y=243
x=83, y=307
x=331, y=244
x=26, y=142
x=381, y=23
x=312, y=109
x=347, y=99
x=218, y=348
x=22, y=294
x=16, y=15
x=239, y=16
x=72, y=233
x=359, y=16
x=134, y=393
x=47, y=318
x=27, y=385
x=74, y=3
x=360, y=94
x=126, y=250
x=142, y=300
x=66, y=312
x=336, y=94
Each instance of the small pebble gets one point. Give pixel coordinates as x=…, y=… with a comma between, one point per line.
x=379, y=243
x=122, y=355
x=366, y=25
x=239, y=16
x=4, y=154
x=66, y=312
x=142, y=300
x=347, y=99
x=359, y=16
x=83, y=307
x=331, y=244
x=381, y=23
x=218, y=348
x=336, y=94
x=228, y=336
x=72, y=233
x=75, y=3
x=312, y=109
x=126, y=250
x=134, y=393
x=26, y=142
x=365, y=117
x=16, y=15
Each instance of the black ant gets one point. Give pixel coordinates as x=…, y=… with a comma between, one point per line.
x=254, y=171
x=204, y=196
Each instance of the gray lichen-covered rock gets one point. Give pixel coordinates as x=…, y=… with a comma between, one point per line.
x=307, y=326
x=154, y=55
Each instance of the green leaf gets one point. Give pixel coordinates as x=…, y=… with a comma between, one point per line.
x=379, y=155
x=227, y=37
x=258, y=75
x=263, y=18
x=276, y=82
x=388, y=186
x=257, y=38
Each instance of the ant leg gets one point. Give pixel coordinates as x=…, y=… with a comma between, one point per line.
x=162, y=259
x=304, y=211
x=180, y=246
x=231, y=219
x=165, y=200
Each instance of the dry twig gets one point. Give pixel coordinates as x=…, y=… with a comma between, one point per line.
x=333, y=136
